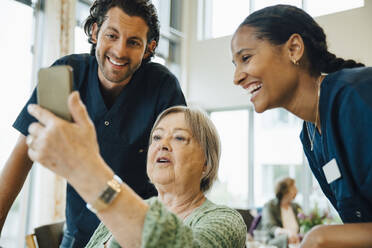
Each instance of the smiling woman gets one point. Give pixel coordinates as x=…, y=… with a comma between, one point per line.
x=282, y=59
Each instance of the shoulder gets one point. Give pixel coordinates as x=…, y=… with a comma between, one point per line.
x=355, y=82
x=82, y=65
x=158, y=73
x=210, y=212
x=75, y=60
x=218, y=224
x=273, y=203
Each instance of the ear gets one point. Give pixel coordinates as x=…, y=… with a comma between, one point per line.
x=94, y=33
x=150, y=48
x=295, y=48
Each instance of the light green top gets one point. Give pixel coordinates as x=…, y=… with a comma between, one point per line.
x=210, y=225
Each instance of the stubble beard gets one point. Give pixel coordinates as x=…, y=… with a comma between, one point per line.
x=116, y=76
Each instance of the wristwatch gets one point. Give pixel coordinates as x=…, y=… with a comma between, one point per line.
x=107, y=196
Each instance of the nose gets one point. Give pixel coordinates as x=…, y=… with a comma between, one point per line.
x=239, y=76
x=120, y=49
x=164, y=145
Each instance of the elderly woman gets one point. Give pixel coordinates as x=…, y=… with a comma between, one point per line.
x=182, y=163
x=279, y=216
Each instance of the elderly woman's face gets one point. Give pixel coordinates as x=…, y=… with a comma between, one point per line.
x=174, y=156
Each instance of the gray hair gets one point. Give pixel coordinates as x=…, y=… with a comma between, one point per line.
x=205, y=133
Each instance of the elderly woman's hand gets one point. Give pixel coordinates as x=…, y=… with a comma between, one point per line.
x=66, y=148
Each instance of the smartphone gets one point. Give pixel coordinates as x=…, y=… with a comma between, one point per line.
x=54, y=86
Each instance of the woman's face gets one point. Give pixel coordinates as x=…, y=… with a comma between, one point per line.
x=292, y=192
x=262, y=69
x=174, y=156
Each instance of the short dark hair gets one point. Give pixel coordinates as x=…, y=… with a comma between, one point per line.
x=141, y=8
x=277, y=23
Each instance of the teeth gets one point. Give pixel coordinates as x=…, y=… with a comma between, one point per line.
x=252, y=88
x=114, y=62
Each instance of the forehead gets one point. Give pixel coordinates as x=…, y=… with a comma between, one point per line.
x=123, y=23
x=244, y=38
x=174, y=120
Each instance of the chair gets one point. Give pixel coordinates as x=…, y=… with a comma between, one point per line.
x=47, y=236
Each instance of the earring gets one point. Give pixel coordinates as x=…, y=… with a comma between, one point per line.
x=295, y=62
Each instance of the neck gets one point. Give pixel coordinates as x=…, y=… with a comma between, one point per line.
x=285, y=203
x=110, y=91
x=305, y=103
x=181, y=202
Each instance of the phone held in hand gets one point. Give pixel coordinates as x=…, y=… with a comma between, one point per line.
x=54, y=86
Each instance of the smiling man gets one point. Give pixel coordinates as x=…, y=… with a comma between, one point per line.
x=124, y=93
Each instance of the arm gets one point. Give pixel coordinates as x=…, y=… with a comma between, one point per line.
x=217, y=227
x=13, y=176
x=268, y=219
x=71, y=150
x=333, y=236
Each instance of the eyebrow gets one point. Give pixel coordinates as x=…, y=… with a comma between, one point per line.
x=240, y=52
x=176, y=129
x=132, y=37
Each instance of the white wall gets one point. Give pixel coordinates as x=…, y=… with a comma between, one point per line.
x=209, y=67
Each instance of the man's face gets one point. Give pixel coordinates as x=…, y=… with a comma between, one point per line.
x=120, y=46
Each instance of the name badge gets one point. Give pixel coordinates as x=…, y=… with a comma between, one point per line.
x=331, y=171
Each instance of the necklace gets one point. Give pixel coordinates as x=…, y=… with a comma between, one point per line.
x=316, y=117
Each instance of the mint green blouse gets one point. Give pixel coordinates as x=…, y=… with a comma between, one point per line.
x=209, y=225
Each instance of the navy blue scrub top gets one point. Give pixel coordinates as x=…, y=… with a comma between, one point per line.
x=122, y=130
x=345, y=111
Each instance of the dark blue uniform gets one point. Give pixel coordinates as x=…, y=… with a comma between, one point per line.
x=345, y=110
x=122, y=130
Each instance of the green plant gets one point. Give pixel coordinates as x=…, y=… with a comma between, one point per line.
x=315, y=217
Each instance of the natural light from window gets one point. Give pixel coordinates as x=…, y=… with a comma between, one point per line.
x=16, y=68
x=221, y=18
x=231, y=188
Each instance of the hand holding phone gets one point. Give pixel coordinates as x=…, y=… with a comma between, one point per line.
x=54, y=86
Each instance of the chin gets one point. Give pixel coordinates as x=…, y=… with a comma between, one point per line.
x=259, y=108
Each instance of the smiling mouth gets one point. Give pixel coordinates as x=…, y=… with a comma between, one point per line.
x=253, y=88
x=117, y=63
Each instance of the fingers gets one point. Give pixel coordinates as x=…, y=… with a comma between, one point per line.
x=78, y=110
x=42, y=115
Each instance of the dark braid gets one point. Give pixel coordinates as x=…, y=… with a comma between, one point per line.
x=277, y=23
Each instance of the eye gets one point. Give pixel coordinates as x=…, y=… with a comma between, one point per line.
x=180, y=138
x=134, y=43
x=156, y=137
x=245, y=58
x=111, y=36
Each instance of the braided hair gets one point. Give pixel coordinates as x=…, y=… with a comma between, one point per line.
x=277, y=23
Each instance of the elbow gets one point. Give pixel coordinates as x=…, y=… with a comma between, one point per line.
x=316, y=237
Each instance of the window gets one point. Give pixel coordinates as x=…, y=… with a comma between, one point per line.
x=231, y=187
x=221, y=18
x=257, y=150
x=277, y=152
x=81, y=40
x=264, y=3
x=16, y=73
x=319, y=7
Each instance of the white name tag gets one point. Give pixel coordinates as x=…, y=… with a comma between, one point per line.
x=331, y=171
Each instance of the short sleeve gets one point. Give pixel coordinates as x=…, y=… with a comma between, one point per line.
x=24, y=119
